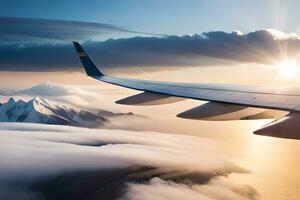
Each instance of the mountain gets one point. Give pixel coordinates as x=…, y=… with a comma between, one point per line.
x=41, y=110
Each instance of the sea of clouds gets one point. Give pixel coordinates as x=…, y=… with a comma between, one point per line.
x=112, y=164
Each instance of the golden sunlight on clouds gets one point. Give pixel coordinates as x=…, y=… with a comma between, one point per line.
x=28, y=79
x=283, y=73
x=280, y=35
x=246, y=74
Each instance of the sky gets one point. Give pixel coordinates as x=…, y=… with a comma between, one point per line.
x=235, y=41
x=149, y=35
x=166, y=17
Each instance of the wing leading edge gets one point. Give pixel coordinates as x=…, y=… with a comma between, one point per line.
x=233, y=98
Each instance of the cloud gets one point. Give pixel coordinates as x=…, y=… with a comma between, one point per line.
x=217, y=188
x=18, y=29
x=127, y=163
x=47, y=88
x=63, y=93
x=261, y=46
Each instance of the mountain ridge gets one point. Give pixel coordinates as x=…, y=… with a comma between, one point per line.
x=41, y=110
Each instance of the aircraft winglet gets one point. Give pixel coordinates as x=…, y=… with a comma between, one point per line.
x=90, y=67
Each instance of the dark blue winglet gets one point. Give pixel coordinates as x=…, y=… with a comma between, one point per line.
x=90, y=67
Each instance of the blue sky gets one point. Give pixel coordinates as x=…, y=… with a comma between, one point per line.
x=176, y=17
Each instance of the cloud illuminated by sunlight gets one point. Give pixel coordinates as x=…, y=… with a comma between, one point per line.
x=280, y=35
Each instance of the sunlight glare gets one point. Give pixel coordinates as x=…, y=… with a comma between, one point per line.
x=287, y=68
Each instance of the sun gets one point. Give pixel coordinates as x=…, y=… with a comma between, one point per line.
x=287, y=68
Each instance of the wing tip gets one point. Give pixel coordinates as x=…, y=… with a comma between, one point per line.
x=90, y=67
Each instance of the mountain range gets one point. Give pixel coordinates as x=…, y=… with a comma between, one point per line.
x=41, y=110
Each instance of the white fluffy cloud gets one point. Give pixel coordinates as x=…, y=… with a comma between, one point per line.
x=217, y=188
x=188, y=165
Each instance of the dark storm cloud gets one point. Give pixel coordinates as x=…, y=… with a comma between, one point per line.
x=262, y=46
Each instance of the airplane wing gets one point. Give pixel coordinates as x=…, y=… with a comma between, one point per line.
x=226, y=102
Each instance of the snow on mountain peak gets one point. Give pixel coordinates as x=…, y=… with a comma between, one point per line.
x=11, y=100
x=41, y=110
x=40, y=101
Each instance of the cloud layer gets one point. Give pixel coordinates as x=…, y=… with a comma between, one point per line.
x=18, y=29
x=141, y=163
x=261, y=46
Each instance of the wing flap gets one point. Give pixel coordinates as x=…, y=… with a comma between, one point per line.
x=286, y=127
x=214, y=111
x=148, y=98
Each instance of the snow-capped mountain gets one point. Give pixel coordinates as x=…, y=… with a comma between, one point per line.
x=40, y=110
